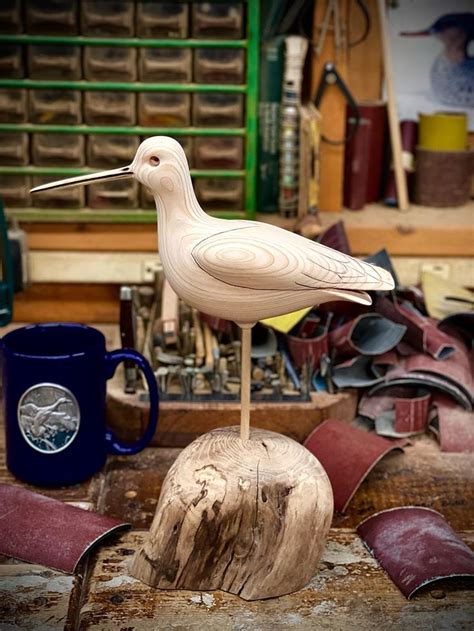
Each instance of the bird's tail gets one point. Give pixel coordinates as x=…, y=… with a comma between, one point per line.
x=376, y=278
x=372, y=278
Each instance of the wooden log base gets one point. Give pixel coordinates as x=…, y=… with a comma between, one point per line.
x=246, y=517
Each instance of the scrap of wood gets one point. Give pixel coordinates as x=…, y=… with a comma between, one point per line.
x=310, y=143
x=333, y=110
x=183, y=421
x=169, y=313
x=365, y=67
x=199, y=339
x=395, y=135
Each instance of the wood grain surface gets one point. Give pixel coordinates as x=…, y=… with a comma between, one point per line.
x=181, y=422
x=349, y=591
x=249, y=517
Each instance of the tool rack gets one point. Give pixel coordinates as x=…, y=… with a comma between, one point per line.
x=250, y=44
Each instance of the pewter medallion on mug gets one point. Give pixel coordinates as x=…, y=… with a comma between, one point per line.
x=49, y=417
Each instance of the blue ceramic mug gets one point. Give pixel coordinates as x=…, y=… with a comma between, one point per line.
x=54, y=390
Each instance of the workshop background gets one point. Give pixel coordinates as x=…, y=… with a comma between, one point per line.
x=83, y=82
x=347, y=121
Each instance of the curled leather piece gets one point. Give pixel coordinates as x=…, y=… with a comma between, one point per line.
x=41, y=530
x=335, y=237
x=411, y=413
x=398, y=412
x=453, y=426
x=359, y=372
x=462, y=323
x=416, y=546
x=421, y=333
x=218, y=324
x=308, y=351
x=368, y=334
x=452, y=376
x=348, y=455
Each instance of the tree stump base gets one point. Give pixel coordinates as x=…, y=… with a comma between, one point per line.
x=247, y=517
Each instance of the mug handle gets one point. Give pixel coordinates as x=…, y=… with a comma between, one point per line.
x=112, y=359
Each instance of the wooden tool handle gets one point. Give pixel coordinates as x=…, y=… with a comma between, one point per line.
x=395, y=136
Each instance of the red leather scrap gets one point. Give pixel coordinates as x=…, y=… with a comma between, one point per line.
x=368, y=334
x=397, y=412
x=453, y=426
x=308, y=350
x=335, y=237
x=41, y=530
x=411, y=413
x=416, y=546
x=421, y=333
x=348, y=455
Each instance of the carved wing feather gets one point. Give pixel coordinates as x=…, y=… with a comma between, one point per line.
x=261, y=256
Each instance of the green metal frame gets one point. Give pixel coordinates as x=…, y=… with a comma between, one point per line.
x=249, y=88
x=6, y=273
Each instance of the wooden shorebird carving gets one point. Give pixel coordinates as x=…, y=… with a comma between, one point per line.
x=239, y=270
x=246, y=512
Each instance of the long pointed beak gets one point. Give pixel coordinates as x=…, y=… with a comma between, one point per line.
x=86, y=179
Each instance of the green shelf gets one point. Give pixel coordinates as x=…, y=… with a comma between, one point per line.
x=31, y=128
x=119, y=86
x=36, y=170
x=89, y=215
x=249, y=131
x=128, y=42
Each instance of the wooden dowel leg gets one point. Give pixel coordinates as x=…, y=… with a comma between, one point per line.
x=245, y=383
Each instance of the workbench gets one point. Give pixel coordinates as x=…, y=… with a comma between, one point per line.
x=350, y=591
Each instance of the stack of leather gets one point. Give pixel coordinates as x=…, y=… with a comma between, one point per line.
x=413, y=371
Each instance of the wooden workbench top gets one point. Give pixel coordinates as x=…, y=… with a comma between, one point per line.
x=350, y=590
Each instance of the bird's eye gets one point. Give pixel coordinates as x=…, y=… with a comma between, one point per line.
x=154, y=161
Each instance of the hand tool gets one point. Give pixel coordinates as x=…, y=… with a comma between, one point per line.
x=127, y=336
x=6, y=270
x=169, y=313
x=330, y=76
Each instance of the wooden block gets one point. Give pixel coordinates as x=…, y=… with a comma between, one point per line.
x=365, y=68
x=169, y=313
x=63, y=302
x=182, y=422
x=333, y=112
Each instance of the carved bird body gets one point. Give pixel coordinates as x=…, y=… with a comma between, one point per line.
x=238, y=270
x=235, y=269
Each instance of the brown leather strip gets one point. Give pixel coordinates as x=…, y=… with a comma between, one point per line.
x=368, y=334
x=416, y=546
x=421, y=332
x=307, y=350
x=44, y=531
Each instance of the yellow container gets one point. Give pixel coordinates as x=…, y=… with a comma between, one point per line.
x=443, y=131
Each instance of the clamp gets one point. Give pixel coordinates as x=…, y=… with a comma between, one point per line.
x=330, y=76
